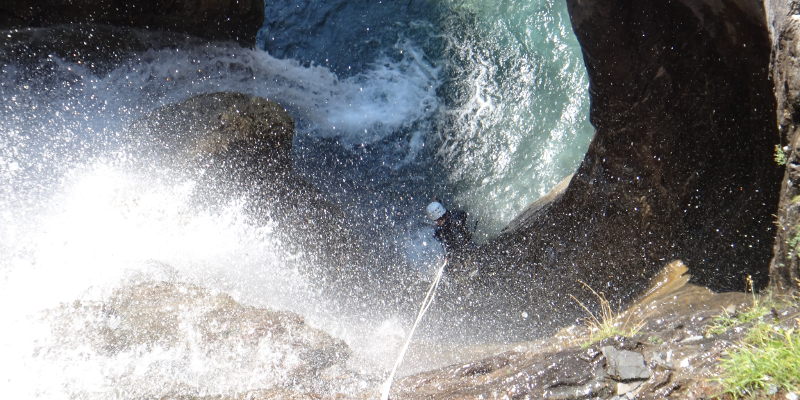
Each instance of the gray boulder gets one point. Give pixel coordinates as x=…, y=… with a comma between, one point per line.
x=237, y=145
x=625, y=365
x=189, y=321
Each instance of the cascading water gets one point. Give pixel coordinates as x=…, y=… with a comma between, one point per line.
x=510, y=117
x=479, y=103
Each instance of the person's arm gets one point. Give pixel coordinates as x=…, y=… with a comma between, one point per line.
x=460, y=218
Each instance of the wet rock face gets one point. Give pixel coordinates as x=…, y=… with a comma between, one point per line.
x=239, y=146
x=560, y=375
x=681, y=166
x=785, y=22
x=672, y=357
x=569, y=374
x=683, y=105
x=218, y=128
x=235, y=144
x=237, y=20
x=191, y=321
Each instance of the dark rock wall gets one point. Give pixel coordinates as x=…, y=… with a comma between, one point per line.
x=784, y=17
x=683, y=106
x=681, y=165
x=237, y=20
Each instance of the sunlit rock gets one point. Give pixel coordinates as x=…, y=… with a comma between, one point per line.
x=234, y=129
x=144, y=323
x=624, y=365
x=238, y=142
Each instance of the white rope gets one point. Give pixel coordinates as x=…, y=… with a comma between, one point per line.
x=423, y=308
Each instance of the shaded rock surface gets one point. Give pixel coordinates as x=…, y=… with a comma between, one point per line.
x=237, y=20
x=95, y=47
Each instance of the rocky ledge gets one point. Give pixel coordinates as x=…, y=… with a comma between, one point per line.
x=672, y=355
x=237, y=20
x=193, y=323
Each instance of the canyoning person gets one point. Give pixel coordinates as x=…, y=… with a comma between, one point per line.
x=451, y=230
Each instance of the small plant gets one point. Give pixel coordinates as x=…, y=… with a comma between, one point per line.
x=768, y=360
x=721, y=323
x=656, y=340
x=780, y=155
x=794, y=242
x=608, y=323
x=760, y=307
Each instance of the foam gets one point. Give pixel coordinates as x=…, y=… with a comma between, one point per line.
x=80, y=216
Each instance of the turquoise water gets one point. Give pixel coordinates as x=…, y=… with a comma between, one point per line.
x=525, y=123
x=500, y=90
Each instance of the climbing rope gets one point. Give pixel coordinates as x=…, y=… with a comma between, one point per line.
x=422, y=310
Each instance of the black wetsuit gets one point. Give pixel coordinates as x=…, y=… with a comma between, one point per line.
x=454, y=233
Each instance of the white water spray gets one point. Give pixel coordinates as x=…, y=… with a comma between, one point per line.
x=82, y=215
x=426, y=303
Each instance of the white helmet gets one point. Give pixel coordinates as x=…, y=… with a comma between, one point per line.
x=435, y=210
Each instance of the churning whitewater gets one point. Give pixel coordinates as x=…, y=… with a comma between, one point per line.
x=479, y=104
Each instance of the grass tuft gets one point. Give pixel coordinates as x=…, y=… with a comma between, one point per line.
x=608, y=323
x=780, y=155
x=767, y=360
x=794, y=242
x=761, y=306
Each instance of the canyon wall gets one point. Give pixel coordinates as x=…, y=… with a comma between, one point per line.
x=681, y=165
x=784, y=18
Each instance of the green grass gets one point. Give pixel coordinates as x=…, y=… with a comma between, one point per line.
x=794, y=243
x=780, y=155
x=767, y=360
x=759, y=307
x=655, y=340
x=721, y=323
